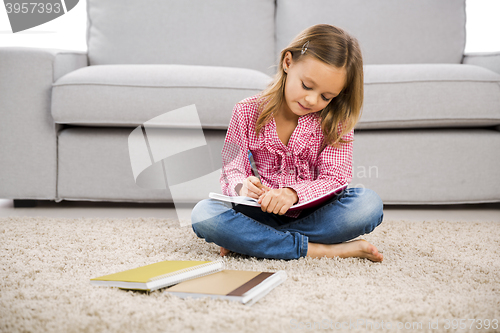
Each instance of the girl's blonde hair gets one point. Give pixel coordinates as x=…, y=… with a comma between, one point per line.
x=333, y=46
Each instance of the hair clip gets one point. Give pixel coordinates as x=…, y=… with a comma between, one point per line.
x=304, y=47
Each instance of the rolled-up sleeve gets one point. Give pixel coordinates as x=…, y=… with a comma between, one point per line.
x=235, y=164
x=334, y=170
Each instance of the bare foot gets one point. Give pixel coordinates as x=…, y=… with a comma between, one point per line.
x=358, y=248
x=223, y=251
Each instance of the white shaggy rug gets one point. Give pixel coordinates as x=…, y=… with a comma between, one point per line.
x=433, y=273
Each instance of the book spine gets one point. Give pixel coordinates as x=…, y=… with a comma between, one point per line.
x=262, y=289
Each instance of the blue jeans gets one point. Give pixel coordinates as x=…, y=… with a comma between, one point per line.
x=250, y=231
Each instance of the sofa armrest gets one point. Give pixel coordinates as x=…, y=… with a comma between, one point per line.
x=28, y=134
x=490, y=60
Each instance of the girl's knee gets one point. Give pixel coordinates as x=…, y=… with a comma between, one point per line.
x=369, y=207
x=358, y=211
x=373, y=201
x=198, y=213
x=375, y=207
x=204, y=216
x=207, y=209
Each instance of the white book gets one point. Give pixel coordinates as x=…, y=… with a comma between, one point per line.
x=243, y=200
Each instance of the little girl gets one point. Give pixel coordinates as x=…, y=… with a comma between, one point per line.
x=300, y=132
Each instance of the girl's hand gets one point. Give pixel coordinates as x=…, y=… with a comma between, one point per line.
x=278, y=201
x=253, y=188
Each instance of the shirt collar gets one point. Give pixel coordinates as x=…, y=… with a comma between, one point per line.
x=309, y=118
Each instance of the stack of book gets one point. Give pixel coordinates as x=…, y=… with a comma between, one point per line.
x=196, y=279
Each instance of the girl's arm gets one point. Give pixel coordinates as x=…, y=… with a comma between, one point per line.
x=235, y=164
x=334, y=170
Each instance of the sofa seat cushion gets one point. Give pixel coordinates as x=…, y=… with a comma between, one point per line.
x=396, y=96
x=129, y=95
x=430, y=95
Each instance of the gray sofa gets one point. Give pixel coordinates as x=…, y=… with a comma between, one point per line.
x=429, y=133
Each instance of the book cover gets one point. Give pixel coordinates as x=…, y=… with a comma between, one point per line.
x=159, y=275
x=246, y=287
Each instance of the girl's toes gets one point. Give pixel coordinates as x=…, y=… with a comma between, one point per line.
x=223, y=251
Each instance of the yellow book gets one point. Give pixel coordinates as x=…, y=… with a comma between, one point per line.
x=159, y=275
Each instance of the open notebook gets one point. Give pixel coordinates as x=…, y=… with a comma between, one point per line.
x=246, y=287
x=243, y=200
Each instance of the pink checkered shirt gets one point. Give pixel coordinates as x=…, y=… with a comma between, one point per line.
x=299, y=165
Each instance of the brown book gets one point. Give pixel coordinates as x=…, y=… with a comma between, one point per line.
x=246, y=287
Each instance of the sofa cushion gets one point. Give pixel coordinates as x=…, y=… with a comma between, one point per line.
x=389, y=31
x=129, y=95
x=428, y=166
x=190, y=32
x=430, y=95
x=95, y=164
x=396, y=96
x=421, y=166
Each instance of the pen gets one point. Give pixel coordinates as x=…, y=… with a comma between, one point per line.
x=253, y=165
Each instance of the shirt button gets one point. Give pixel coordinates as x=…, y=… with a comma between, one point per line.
x=292, y=171
x=288, y=154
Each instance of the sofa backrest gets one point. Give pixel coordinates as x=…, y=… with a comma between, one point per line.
x=389, y=31
x=252, y=33
x=232, y=33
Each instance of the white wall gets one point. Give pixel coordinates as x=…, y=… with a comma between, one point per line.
x=68, y=31
x=483, y=26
